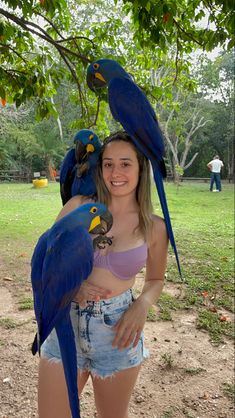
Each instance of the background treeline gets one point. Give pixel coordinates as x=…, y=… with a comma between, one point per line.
x=44, y=99
x=204, y=117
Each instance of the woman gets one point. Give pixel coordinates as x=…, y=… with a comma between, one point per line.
x=108, y=323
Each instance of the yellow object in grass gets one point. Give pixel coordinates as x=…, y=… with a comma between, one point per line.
x=38, y=183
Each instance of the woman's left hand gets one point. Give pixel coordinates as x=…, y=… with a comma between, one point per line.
x=129, y=327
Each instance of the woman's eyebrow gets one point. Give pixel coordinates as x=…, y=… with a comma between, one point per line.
x=121, y=158
x=126, y=158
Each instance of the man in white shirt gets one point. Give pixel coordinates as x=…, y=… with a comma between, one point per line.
x=215, y=166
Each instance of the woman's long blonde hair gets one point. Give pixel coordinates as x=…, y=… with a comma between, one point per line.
x=143, y=191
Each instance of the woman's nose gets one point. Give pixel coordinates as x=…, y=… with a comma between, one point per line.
x=116, y=171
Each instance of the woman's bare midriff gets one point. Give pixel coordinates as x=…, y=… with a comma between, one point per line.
x=105, y=279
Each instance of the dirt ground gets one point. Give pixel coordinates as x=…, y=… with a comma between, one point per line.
x=183, y=377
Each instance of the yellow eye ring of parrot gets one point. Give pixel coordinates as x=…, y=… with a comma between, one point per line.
x=93, y=209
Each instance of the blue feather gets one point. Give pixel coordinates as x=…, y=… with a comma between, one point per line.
x=68, y=163
x=68, y=354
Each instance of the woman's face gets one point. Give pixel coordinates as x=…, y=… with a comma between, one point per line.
x=120, y=168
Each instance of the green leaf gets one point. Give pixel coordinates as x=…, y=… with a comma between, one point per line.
x=2, y=92
x=231, y=44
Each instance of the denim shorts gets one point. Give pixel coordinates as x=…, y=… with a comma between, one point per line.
x=94, y=335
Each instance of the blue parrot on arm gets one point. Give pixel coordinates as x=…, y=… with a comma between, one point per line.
x=77, y=170
x=61, y=261
x=130, y=107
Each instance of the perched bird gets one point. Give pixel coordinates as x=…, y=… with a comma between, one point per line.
x=78, y=166
x=130, y=106
x=61, y=261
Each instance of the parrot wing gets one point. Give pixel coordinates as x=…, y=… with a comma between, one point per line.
x=36, y=271
x=67, y=174
x=67, y=262
x=84, y=185
x=68, y=163
x=131, y=108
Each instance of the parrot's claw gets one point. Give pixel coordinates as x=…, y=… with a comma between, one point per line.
x=101, y=241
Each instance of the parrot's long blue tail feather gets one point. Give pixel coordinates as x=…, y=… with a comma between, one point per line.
x=162, y=197
x=34, y=347
x=67, y=345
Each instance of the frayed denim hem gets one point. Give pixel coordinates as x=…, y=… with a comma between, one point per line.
x=105, y=375
x=94, y=372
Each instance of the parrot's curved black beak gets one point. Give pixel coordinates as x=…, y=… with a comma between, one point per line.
x=81, y=155
x=108, y=219
x=89, y=80
x=103, y=223
x=95, y=81
x=80, y=151
x=104, y=226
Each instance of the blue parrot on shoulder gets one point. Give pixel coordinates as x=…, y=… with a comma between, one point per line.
x=61, y=261
x=130, y=106
x=77, y=170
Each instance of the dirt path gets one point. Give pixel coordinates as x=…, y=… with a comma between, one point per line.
x=183, y=377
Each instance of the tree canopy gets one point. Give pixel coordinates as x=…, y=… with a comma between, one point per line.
x=179, y=22
x=46, y=45
x=45, y=42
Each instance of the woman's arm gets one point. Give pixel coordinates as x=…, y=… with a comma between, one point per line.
x=156, y=263
x=72, y=204
x=129, y=327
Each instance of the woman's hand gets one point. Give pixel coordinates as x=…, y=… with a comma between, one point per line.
x=89, y=291
x=129, y=327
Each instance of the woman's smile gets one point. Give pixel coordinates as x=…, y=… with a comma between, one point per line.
x=118, y=183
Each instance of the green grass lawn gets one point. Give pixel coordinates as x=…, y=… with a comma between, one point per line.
x=25, y=212
x=203, y=225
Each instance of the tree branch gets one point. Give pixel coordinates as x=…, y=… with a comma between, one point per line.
x=50, y=22
x=11, y=70
x=97, y=114
x=73, y=72
x=41, y=34
x=176, y=59
x=186, y=33
x=191, y=161
x=13, y=50
x=194, y=128
x=167, y=136
x=74, y=38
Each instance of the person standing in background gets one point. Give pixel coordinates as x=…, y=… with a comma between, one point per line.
x=215, y=167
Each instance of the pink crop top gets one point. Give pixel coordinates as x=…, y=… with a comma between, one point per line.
x=123, y=264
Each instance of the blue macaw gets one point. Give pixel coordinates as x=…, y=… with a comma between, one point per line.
x=130, y=107
x=61, y=261
x=78, y=166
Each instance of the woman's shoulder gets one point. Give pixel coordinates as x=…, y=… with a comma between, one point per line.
x=79, y=200
x=158, y=222
x=74, y=203
x=158, y=230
